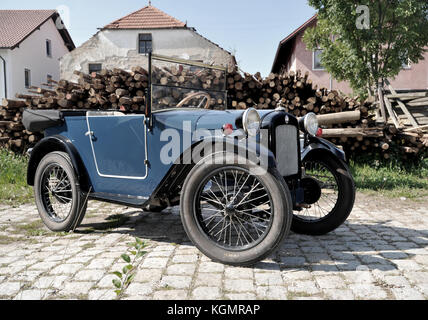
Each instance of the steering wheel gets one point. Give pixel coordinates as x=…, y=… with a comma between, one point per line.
x=191, y=96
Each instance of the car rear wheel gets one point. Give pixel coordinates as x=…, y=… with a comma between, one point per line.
x=330, y=196
x=59, y=200
x=234, y=214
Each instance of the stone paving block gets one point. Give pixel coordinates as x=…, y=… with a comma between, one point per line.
x=367, y=291
x=407, y=293
x=43, y=266
x=239, y=273
x=176, y=282
x=89, y=275
x=155, y=263
x=240, y=296
x=148, y=275
x=76, y=288
x=26, y=275
x=268, y=279
x=209, y=280
x=181, y=269
x=211, y=267
x=305, y=286
x=9, y=288
x=67, y=269
x=206, y=293
x=47, y=282
x=170, y=295
x=185, y=258
x=106, y=281
x=407, y=265
x=139, y=289
x=100, y=263
x=339, y=294
x=33, y=295
x=102, y=294
x=272, y=293
x=293, y=261
x=330, y=282
x=239, y=285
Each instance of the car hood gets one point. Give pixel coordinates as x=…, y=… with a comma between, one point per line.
x=214, y=120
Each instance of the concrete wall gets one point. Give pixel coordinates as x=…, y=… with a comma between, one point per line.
x=31, y=55
x=119, y=49
x=414, y=78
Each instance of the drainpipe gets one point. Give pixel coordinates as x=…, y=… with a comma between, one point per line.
x=5, y=79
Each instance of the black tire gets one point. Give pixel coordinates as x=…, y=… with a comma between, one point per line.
x=280, y=206
x=337, y=213
x=73, y=198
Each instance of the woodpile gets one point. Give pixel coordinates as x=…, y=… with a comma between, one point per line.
x=347, y=122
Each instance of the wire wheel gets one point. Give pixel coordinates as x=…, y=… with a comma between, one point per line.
x=57, y=193
x=234, y=209
x=328, y=183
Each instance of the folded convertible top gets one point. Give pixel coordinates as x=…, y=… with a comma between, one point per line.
x=40, y=120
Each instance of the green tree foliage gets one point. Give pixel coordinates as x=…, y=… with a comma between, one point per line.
x=367, y=41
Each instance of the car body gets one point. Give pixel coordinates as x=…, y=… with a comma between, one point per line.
x=120, y=158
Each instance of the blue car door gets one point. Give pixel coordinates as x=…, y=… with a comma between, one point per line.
x=119, y=145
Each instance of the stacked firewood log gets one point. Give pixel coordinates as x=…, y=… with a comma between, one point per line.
x=348, y=122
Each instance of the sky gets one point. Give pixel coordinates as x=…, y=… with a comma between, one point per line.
x=251, y=29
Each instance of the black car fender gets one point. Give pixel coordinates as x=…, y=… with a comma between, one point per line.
x=321, y=145
x=52, y=144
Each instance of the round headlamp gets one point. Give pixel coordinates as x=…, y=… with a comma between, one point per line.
x=251, y=122
x=310, y=123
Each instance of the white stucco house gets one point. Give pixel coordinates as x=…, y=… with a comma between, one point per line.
x=125, y=43
x=31, y=44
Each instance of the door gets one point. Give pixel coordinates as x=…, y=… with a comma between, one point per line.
x=119, y=145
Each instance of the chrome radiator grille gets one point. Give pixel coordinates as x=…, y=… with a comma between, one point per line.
x=287, y=150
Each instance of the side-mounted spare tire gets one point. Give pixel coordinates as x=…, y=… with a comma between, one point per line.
x=235, y=214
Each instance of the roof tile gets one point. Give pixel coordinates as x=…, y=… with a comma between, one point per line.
x=16, y=25
x=148, y=17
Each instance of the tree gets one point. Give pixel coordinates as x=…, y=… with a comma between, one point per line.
x=368, y=41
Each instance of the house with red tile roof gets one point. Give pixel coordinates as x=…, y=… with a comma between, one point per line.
x=125, y=43
x=293, y=55
x=31, y=44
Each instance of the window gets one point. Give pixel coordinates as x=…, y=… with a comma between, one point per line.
x=27, y=78
x=49, y=48
x=317, y=60
x=144, y=43
x=95, y=67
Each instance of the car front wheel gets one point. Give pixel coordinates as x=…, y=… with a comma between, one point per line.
x=234, y=214
x=59, y=200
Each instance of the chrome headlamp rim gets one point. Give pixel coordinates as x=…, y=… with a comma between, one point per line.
x=245, y=119
x=311, y=117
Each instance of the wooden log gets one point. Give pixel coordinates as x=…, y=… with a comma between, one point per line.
x=337, y=118
x=353, y=133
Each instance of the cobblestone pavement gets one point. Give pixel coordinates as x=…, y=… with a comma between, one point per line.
x=380, y=253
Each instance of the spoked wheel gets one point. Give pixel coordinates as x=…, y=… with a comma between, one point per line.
x=234, y=209
x=329, y=196
x=234, y=215
x=59, y=201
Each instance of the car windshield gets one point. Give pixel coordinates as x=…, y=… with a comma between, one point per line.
x=180, y=83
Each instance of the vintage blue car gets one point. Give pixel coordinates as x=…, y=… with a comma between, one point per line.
x=242, y=178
